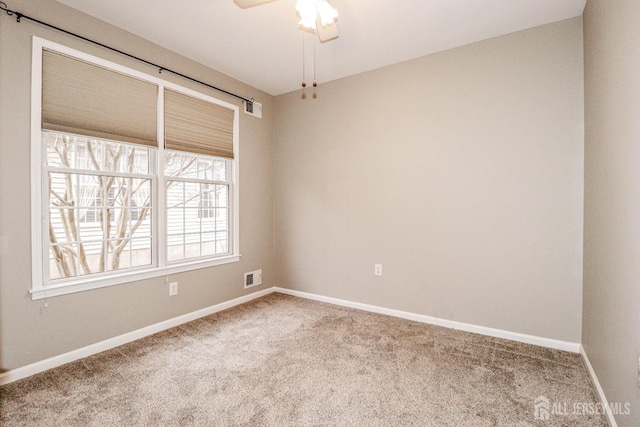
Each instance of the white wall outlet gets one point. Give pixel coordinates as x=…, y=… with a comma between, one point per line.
x=377, y=269
x=252, y=278
x=173, y=289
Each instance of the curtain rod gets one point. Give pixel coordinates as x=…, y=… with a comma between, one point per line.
x=19, y=16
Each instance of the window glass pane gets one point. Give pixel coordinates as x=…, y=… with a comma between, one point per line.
x=118, y=223
x=88, y=153
x=181, y=165
x=220, y=170
x=222, y=242
x=141, y=252
x=143, y=229
x=222, y=219
x=175, y=247
x=222, y=196
x=93, y=215
x=205, y=168
x=175, y=221
x=196, y=210
x=91, y=231
x=188, y=165
x=114, y=157
x=192, y=247
x=171, y=163
x=62, y=261
x=60, y=184
x=140, y=160
x=54, y=149
x=94, y=256
x=208, y=224
x=127, y=253
x=80, y=152
x=94, y=155
x=58, y=219
x=118, y=252
x=191, y=195
x=208, y=246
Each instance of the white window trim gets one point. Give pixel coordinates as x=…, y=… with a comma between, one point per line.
x=160, y=266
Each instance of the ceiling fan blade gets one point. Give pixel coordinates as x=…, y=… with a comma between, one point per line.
x=327, y=33
x=245, y=4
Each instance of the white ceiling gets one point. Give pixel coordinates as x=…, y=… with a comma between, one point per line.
x=262, y=46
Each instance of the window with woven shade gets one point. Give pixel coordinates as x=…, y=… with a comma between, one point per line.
x=197, y=126
x=134, y=177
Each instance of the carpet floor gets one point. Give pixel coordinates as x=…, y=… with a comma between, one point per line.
x=281, y=360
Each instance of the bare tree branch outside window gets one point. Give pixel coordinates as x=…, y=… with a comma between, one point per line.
x=100, y=205
x=87, y=185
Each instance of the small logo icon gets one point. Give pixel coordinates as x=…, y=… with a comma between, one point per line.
x=541, y=407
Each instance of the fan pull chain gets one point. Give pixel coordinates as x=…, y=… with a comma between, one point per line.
x=304, y=63
x=304, y=84
x=314, y=63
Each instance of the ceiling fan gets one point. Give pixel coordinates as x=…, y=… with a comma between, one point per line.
x=315, y=15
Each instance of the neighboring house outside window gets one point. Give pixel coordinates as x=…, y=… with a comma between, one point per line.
x=197, y=205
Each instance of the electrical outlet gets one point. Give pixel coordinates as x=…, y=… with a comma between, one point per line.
x=377, y=269
x=638, y=371
x=173, y=289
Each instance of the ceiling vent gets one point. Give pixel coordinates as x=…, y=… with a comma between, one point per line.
x=253, y=108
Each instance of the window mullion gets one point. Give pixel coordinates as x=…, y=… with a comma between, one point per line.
x=44, y=214
x=76, y=211
x=160, y=190
x=216, y=204
x=197, y=180
x=98, y=172
x=104, y=209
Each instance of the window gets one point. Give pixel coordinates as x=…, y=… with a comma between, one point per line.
x=197, y=205
x=112, y=202
x=91, y=227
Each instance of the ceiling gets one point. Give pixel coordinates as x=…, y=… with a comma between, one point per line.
x=262, y=46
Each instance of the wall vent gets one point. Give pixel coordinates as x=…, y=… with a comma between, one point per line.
x=253, y=108
x=252, y=278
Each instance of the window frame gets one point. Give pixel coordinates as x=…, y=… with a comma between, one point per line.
x=40, y=288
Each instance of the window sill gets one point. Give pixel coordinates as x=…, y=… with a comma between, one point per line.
x=87, y=283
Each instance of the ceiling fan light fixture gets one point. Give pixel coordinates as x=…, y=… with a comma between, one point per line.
x=307, y=11
x=327, y=13
x=312, y=11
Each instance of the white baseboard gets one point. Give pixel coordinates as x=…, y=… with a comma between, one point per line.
x=596, y=384
x=498, y=333
x=44, y=365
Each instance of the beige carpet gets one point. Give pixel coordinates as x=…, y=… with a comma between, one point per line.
x=282, y=360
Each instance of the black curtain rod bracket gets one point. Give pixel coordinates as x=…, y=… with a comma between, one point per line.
x=19, y=16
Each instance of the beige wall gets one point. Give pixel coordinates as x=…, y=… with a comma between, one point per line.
x=28, y=331
x=611, y=324
x=460, y=172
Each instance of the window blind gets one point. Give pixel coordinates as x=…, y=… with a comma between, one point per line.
x=197, y=126
x=86, y=99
